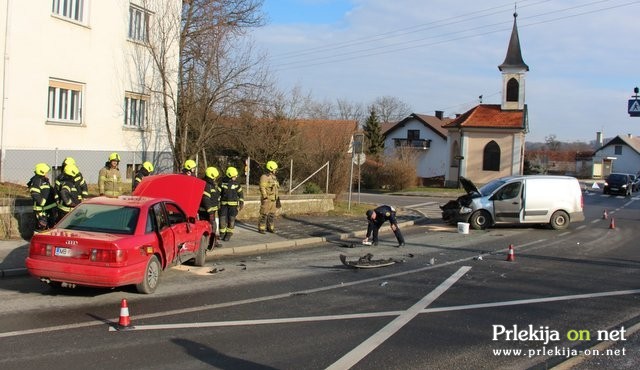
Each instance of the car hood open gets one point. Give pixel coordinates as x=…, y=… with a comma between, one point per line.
x=182, y=189
x=468, y=186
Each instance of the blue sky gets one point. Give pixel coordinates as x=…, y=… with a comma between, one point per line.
x=442, y=54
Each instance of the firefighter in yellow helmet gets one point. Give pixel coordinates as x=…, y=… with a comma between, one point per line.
x=210, y=203
x=68, y=197
x=81, y=184
x=42, y=193
x=144, y=171
x=189, y=167
x=109, y=178
x=231, y=202
x=269, y=199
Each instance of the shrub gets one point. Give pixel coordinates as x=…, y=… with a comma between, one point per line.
x=312, y=188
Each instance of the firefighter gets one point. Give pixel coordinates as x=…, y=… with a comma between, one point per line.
x=269, y=199
x=144, y=171
x=189, y=167
x=68, y=197
x=231, y=202
x=109, y=178
x=210, y=203
x=43, y=196
x=81, y=184
x=377, y=217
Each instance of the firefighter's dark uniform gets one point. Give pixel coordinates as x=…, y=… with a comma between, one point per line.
x=231, y=202
x=140, y=174
x=44, y=203
x=209, y=206
x=382, y=214
x=68, y=196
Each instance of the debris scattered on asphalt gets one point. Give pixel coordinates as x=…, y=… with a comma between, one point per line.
x=367, y=261
x=432, y=261
x=216, y=270
x=384, y=283
x=478, y=258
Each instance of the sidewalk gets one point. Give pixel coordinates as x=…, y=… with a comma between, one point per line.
x=292, y=231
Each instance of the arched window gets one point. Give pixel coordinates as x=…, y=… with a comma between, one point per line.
x=513, y=88
x=491, y=157
x=455, y=151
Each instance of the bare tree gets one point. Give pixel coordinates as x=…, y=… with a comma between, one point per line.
x=350, y=111
x=219, y=71
x=390, y=108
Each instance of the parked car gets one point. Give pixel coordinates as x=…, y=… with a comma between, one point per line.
x=111, y=242
x=539, y=199
x=618, y=183
x=635, y=182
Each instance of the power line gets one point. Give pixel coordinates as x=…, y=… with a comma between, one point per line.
x=410, y=44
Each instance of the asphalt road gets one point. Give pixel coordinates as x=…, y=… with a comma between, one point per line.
x=450, y=301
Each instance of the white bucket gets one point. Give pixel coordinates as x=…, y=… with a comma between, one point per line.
x=463, y=228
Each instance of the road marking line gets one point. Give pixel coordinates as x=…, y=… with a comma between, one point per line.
x=358, y=353
x=421, y=204
x=367, y=315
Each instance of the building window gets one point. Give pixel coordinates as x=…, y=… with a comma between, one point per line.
x=138, y=24
x=64, y=102
x=413, y=134
x=135, y=110
x=72, y=9
x=617, y=149
x=513, y=88
x=491, y=157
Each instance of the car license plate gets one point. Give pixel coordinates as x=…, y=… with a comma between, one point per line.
x=63, y=252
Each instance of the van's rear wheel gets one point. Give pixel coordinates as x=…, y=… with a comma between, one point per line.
x=559, y=220
x=480, y=220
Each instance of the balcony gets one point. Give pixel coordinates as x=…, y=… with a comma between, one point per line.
x=414, y=144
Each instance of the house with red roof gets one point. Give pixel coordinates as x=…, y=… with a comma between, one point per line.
x=488, y=141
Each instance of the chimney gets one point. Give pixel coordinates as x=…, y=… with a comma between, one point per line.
x=599, y=138
x=629, y=136
x=439, y=114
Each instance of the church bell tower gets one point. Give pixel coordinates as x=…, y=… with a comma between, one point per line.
x=513, y=72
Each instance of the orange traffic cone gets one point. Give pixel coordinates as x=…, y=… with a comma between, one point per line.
x=612, y=225
x=511, y=256
x=605, y=215
x=125, y=322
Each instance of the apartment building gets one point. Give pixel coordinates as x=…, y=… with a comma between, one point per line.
x=79, y=79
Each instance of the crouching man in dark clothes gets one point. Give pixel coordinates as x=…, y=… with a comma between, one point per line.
x=376, y=218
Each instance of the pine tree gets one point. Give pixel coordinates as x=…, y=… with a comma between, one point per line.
x=373, y=132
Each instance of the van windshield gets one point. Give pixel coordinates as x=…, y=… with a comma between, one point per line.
x=490, y=187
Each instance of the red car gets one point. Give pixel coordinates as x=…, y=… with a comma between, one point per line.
x=110, y=242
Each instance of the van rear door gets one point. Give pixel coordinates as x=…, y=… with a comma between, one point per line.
x=507, y=202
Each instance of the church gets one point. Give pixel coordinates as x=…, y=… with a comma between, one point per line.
x=488, y=141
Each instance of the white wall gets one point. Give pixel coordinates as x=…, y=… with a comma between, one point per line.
x=431, y=162
x=98, y=54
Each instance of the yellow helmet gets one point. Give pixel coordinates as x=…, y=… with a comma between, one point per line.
x=232, y=172
x=71, y=170
x=212, y=173
x=148, y=166
x=69, y=160
x=114, y=157
x=41, y=169
x=189, y=164
x=272, y=166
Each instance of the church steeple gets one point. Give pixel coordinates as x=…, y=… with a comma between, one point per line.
x=513, y=71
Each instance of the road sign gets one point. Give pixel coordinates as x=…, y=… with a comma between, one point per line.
x=359, y=158
x=634, y=108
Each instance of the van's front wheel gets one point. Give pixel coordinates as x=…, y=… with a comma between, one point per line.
x=559, y=220
x=480, y=220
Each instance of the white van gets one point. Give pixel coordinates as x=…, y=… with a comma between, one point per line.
x=535, y=199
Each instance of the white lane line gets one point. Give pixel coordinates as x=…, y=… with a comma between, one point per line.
x=358, y=353
x=421, y=204
x=367, y=315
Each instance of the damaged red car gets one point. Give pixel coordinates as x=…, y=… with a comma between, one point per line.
x=129, y=240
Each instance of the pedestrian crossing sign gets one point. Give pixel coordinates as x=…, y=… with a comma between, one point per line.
x=634, y=108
